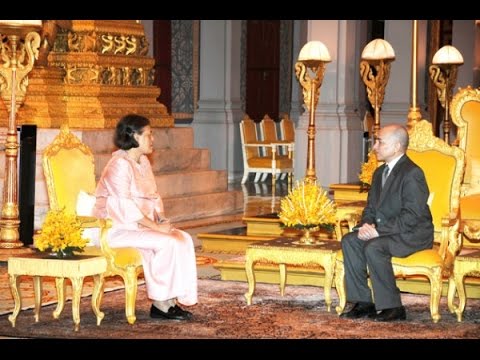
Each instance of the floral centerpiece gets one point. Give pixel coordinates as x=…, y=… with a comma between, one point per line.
x=368, y=169
x=61, y=234
x=307, y=207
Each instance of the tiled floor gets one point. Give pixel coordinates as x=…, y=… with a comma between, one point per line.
x=258, y=199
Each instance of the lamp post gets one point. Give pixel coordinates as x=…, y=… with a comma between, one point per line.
x=16, y=61
x=310, y=70
x=443, y=73
x=375, y=71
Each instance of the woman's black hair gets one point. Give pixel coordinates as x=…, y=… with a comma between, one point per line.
x=127, y=126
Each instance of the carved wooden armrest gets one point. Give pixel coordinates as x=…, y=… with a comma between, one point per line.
x=93, y=222
x=450, y=220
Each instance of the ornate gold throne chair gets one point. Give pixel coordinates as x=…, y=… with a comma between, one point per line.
x=68, y=166
x=443, y=166
x=465, y=111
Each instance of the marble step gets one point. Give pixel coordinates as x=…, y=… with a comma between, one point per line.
x=181, y=208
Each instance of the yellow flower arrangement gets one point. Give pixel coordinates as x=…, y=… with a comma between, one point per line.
x=307, y=206
x=368, y=169
x=61, y=233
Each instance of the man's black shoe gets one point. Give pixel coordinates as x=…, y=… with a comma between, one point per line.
x=171, y=314
x=182, y=312
x=360, y=310
x=393, y=314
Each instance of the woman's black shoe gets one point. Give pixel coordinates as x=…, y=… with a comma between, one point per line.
x=171, y=314
x=183, y=312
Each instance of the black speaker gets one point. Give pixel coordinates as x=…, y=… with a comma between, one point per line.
x=26, y=176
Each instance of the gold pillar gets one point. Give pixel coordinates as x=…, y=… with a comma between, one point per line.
x=312, y=58
x=375, y=71
x=414, y=114
x=16, y=62
x=443, y=73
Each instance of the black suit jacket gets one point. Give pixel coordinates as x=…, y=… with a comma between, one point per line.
x=400, y=209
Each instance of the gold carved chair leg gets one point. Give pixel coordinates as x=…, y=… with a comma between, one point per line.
x=435, y=293
x=130, y=280
x=97, y=297
x=456, y=285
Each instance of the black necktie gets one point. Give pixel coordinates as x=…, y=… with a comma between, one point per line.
x=385, y=175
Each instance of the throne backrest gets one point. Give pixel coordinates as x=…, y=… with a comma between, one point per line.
x=443, y=166
x=465, y=112
x=268, y=132
x=69, y=167
x=248, y=134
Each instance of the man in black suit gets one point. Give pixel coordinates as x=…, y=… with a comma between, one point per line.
x=396, y=222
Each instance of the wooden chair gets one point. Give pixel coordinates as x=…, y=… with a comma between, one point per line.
x=253, y=161
x=268, y=134
x=443, y=166
x=68, y=166
x=287, y=130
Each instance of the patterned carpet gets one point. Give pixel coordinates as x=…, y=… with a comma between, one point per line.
x=223, y=314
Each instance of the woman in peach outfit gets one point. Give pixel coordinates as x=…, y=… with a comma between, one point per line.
x=127, y=194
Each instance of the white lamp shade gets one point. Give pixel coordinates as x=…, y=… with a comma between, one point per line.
x=37, y=23
x=378, y=49
x=314, y=50
x=447, y=55
x=19, y=27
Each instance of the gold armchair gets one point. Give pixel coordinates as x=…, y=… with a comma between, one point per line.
x=443, y=166
x=465, y=111
x=68, y=166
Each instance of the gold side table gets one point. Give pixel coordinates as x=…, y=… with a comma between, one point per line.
x=287, y=251
x=40, y=264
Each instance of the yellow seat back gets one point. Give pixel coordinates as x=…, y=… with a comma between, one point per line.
x=69, y=167
x=465, y=112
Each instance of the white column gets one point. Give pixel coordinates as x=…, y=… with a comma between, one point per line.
x=463, y=38
x=338, y=141
x=397, y=98
x=219, y=108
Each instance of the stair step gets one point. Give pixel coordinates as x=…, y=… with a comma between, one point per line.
x=164, y=160
x=101, y=141
x=191, y=182
x=203, y=205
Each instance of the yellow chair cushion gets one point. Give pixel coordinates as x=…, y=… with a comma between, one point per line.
x=127, y=257
x=470, y=206
x=265, y=162
x=124, y=257
x=425, y=258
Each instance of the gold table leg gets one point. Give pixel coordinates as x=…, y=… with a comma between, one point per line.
x=329, y=266
x=97, y=298
x=283, y=278
x=14, y=282
x=37, y=289
x=60, y=285
x=250, y=278
x=77, y=284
